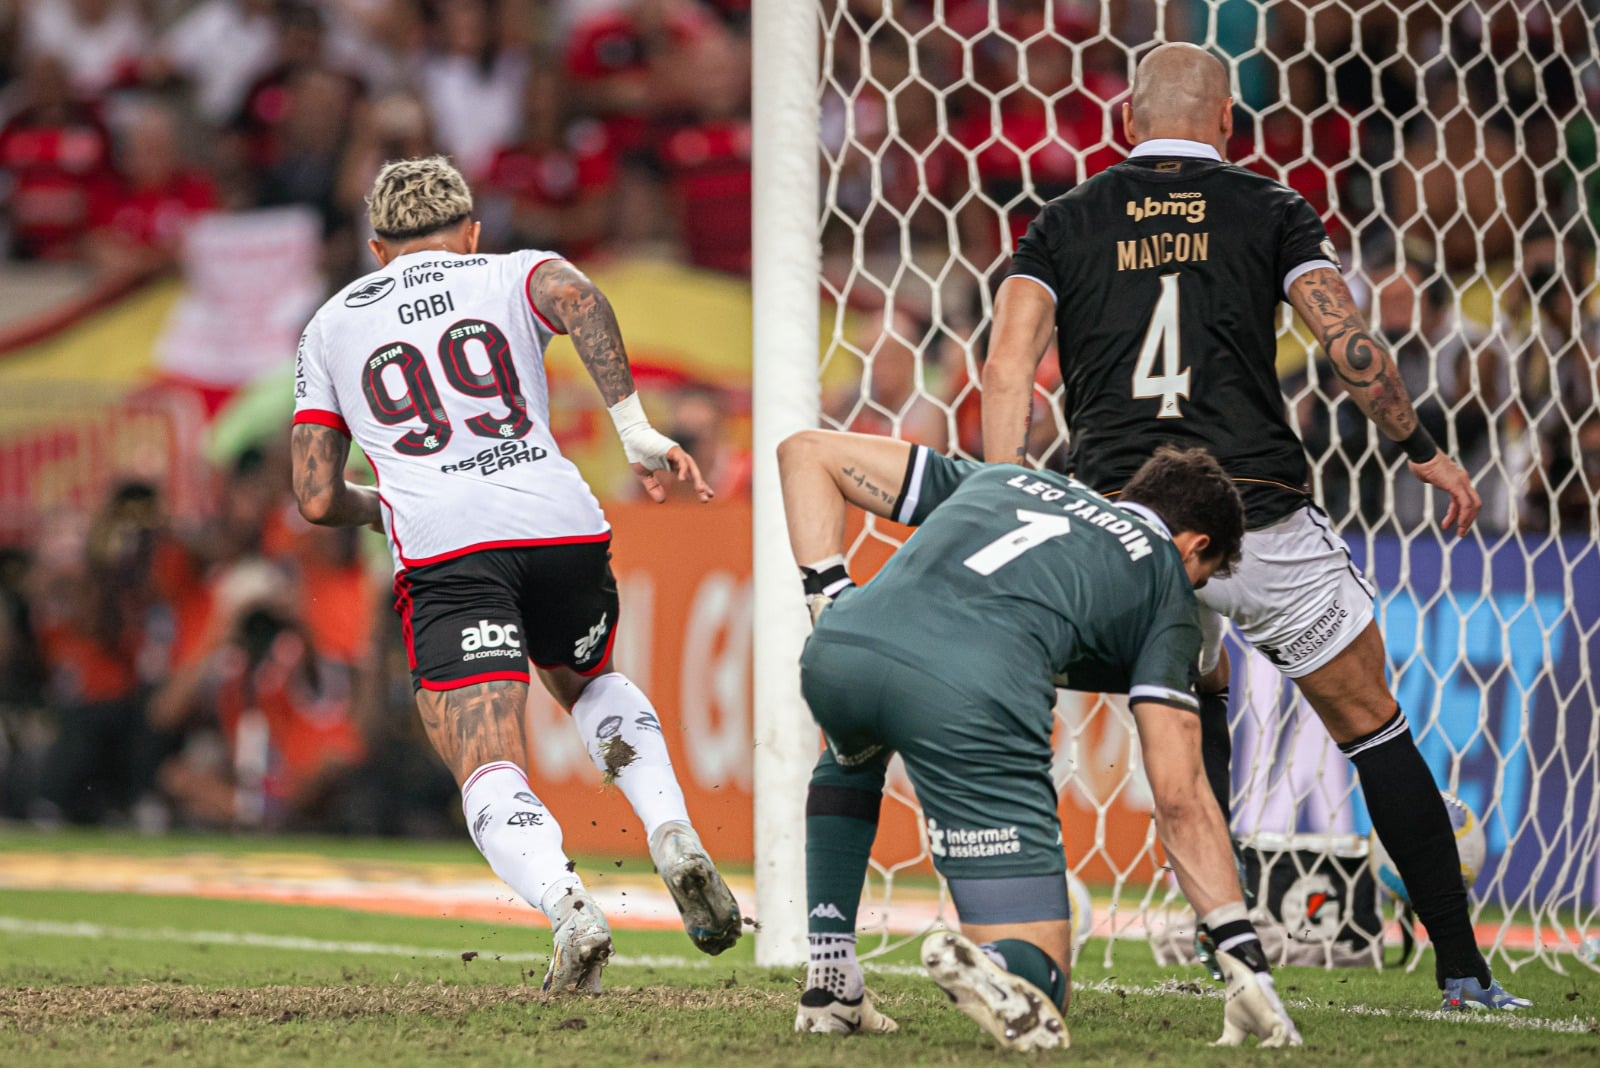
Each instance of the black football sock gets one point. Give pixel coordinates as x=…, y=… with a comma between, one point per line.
x=841, y=823
x=1216, y=747
x=1232, y=932
x=1414, y=827
x=1027, y=961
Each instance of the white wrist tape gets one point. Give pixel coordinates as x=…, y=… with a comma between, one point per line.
x=641, y=442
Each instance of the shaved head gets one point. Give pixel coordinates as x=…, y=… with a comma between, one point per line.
x=1179, y=90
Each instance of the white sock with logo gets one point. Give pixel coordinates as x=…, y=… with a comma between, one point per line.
x=622, y=732
x=517, y=835
x=833, y=966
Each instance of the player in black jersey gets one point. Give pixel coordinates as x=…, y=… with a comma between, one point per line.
x=1162, y=276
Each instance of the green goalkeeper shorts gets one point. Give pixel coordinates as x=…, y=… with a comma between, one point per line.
x=981, y=770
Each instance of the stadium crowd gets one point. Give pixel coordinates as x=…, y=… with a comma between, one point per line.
x=160, y=667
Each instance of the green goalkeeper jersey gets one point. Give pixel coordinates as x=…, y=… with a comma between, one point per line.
x=1017, y=577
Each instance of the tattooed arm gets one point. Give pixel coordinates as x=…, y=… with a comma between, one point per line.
x=568, y=301
x=319, y=454
x=1024, y=317
x=824, y=472
x=1363, y=364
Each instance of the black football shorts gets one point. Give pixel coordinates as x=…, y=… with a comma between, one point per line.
x=481, y=617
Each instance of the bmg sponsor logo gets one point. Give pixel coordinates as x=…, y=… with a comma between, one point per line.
x=490, y=640
x=1190, y=206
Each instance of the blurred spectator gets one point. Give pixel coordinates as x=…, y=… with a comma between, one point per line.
x=1303, y=143
x=551, y=189
x=284, y=712
x=626, y=62
x=1556, y=384
x=893, y=397
x=696, y=422
x=99, y=42
x=472, y=84
x=1047, y=121
x=220, y=47
x=139, y=226
x=705, y=155
x=395, y=126
x=288, y=134
x=1466, y=201
x=56, y=154
x=91, y=597
x=1454, y=374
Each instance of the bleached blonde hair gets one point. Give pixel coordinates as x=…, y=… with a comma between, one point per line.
x=412, y=197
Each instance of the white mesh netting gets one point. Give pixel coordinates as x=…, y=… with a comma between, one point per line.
x=1451, y=148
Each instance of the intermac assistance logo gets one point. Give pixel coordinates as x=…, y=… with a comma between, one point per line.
x=368, y=293
x=970, y=842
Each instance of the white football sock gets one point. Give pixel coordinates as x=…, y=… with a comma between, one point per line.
x=622, y=732
x=517, y=835
x=833, y=966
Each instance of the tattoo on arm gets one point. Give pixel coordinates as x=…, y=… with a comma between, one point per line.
x=1360, y=360
x=867, y=486
x=319, y=454
x=566, y=297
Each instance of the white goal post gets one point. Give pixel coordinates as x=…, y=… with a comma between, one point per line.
x=900, y=145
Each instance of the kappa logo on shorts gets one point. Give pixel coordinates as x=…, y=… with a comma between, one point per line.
x=974, y=842
x=490, y=640
x=585, y=647
x=370, y=293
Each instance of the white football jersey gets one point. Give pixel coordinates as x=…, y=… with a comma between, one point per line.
x=435, y=367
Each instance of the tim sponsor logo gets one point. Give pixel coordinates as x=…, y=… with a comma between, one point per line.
x=972, y=841
x=490, y=640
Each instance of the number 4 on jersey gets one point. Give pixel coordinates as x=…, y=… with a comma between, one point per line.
x=1162, y=337
x=1037, y=528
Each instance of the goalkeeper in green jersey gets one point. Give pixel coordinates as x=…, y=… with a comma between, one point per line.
x=1015, y=580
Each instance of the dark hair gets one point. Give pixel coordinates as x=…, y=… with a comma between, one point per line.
x=1190, y=491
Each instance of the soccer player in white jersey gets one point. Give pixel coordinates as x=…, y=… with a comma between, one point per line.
x=434, y=365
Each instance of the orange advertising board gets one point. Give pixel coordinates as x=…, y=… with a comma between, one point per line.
x=684, y=575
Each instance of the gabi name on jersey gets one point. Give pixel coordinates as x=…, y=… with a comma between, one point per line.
x=1133, y=536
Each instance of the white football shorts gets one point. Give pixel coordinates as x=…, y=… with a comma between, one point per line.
x=1294, y=595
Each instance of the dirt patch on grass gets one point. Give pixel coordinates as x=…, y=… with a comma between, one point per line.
x=32, y=1009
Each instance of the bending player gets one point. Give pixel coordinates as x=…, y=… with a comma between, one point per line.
x=434, y=364
x=1161, y=277
x=947, y=658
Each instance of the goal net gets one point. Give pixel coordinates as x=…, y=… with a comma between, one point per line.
x=1451, y=150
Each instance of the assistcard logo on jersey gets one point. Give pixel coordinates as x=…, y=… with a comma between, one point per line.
x=368, y=293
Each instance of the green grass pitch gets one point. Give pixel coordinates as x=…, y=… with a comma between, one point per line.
x=95, y=978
